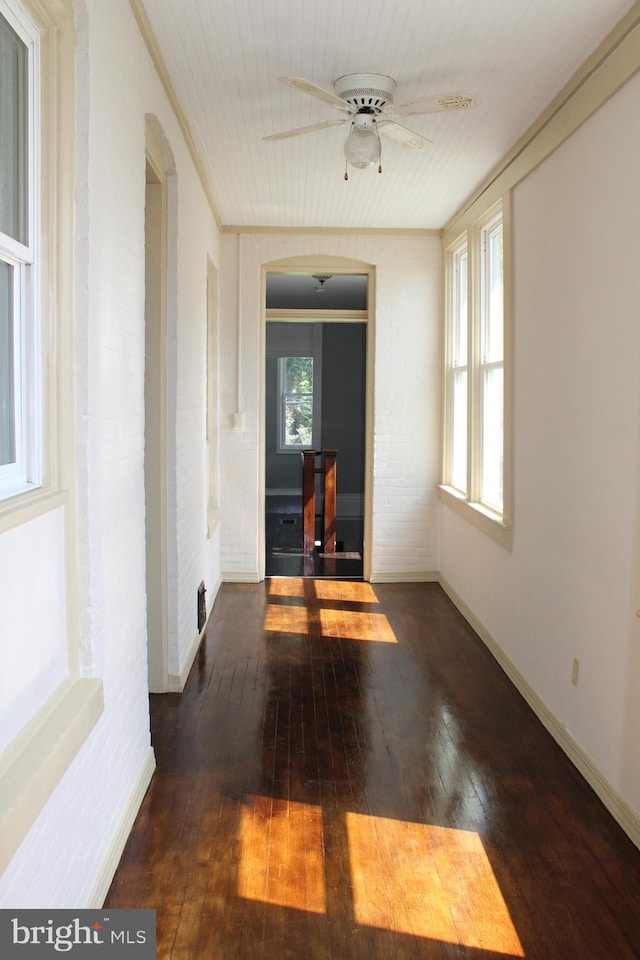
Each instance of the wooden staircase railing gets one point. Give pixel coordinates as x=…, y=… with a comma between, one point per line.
x=309, y=471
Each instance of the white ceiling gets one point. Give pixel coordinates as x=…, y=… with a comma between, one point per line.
x=224, y=58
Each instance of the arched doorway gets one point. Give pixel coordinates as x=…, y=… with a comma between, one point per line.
x=318, y=338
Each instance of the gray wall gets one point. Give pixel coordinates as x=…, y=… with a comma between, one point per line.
x=343, y=400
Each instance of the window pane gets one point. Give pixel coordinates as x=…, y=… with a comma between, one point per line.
x=492, y=334
x=7, y=387
x=298, y=420
x=298, y=374
x=459, y=437
x=13, y=134
x=460, y=310
x=492, y=437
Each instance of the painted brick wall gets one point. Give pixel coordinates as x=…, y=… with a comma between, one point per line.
x=64, y=855
x=406, y=403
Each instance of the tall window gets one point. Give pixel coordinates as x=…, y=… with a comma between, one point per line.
x=459, y=371
x=491, y=360
x=18, y=335
x=474, y=453
x=295, y=415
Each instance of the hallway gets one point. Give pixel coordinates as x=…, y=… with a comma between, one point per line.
x=348, y=774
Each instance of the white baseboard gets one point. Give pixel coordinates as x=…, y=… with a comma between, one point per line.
x=615, y=803
x=240, y=576
x=412, y=576
x=176, y=682
x=116, y=847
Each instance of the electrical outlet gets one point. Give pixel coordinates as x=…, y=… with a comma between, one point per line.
x=575, y=670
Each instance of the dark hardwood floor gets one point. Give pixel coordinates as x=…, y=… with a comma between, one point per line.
x=348, y=775
x=284, y=543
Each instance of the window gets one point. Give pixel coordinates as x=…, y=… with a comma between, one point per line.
x=491, y=359
x=19, y=403
x=295, y=394
x=474, y=450
x=459, y=372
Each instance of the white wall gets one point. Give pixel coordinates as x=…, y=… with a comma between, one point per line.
x=571, y=585
x=406, y=405
x=34, y=619
x=67, y=857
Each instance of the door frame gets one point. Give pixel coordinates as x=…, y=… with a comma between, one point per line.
x=310, y=265
x=157, y=514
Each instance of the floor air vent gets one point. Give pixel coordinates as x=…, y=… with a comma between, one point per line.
x=202, y=607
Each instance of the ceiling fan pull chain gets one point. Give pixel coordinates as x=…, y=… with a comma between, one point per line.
x=346, y=175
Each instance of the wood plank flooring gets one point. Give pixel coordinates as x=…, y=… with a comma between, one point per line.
x=348, y=775
x=285, y=556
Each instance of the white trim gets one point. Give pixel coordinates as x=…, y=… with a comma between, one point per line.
x=615, y=803
x=213, y=398
x=314, y=316
x=30, y=505
x=311, y=263
x=241, y=576
x=497, y=525
x=25, y=473
x=110, y=863
x=176, y=682
x=36, y=760
x=411, y=576
x=159, y=158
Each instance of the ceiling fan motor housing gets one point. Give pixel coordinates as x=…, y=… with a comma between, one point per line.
x=366, y=90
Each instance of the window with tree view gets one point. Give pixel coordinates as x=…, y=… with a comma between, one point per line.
x=296, y=402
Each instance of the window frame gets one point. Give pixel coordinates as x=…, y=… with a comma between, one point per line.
x=25, y=473
x=282, y=446
x=488, y=517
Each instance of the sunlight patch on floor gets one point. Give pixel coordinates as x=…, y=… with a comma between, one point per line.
x=339, y=624
x=410, y=878
x=279, y=619
x=427, y=881
x=351, y=625
x=281, y=854
x=351, y=591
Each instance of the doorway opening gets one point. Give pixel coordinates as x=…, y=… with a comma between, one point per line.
x=155, y=425
x=316, y=398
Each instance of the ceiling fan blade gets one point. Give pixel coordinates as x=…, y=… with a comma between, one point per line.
x=448, y=101
x=299, y=83
x=300, y=130
x=400, y=134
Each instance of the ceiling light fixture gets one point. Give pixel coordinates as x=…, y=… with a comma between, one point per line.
x=322, y=279
x=362, y=147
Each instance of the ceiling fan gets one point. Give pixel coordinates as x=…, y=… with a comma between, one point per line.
x=366, y=99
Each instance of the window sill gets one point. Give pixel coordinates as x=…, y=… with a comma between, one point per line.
x=490, y=523
x=34, y=763
x=33, y=502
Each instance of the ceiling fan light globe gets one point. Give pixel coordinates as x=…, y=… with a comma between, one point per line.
x=362, y=148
